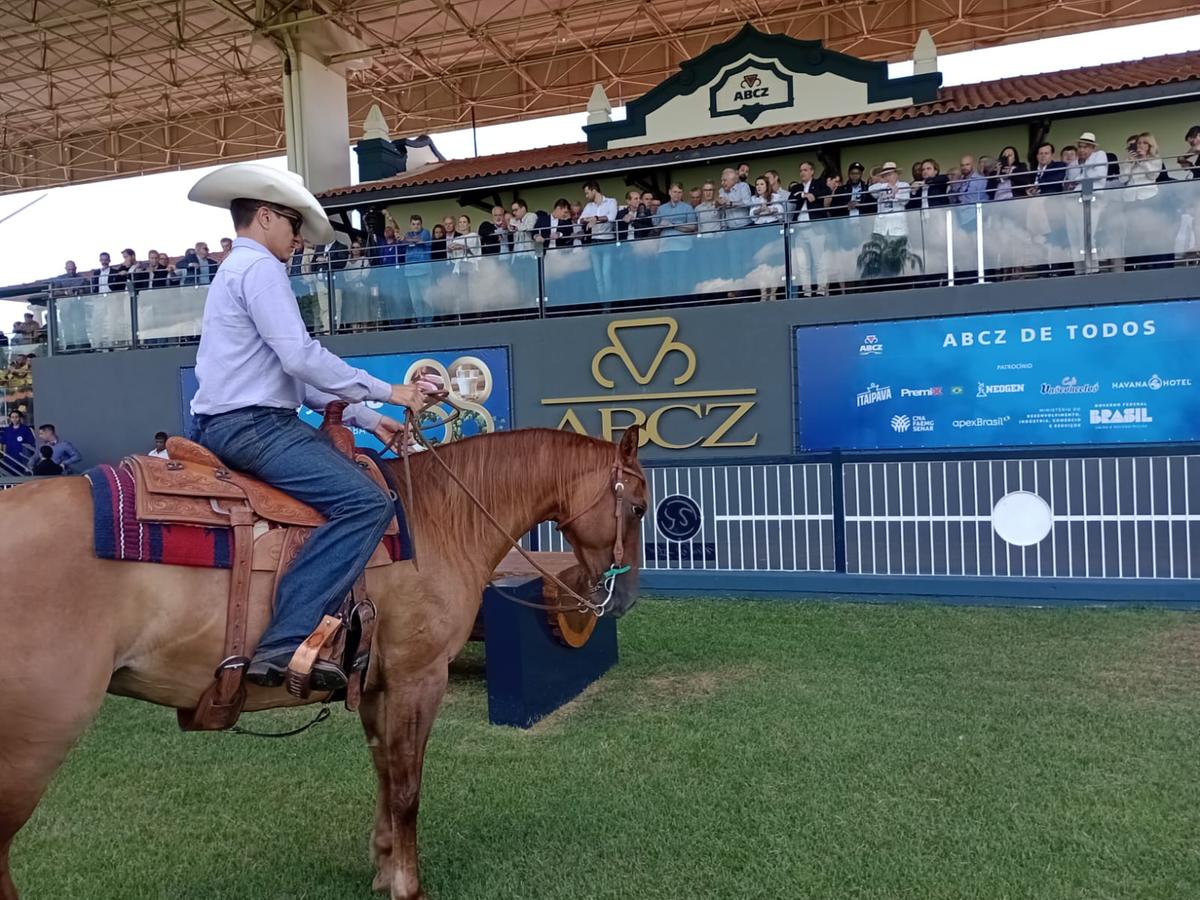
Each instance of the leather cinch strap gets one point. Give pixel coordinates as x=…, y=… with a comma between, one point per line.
x=221, y=704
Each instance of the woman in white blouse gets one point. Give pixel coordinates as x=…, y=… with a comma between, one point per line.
x=465, y=250
x=1144, y=222
x=465, y=243
x=765, y=210
x=358, y=307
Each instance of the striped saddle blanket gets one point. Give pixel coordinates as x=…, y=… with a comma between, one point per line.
x=119, y=534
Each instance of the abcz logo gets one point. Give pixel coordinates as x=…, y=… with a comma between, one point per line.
x=751, y=88
x=674, y=415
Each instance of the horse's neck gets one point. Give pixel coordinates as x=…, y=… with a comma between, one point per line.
x=519, y=494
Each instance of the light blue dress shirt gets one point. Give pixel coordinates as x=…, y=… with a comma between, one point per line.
x=671, y=214
x=254, y=349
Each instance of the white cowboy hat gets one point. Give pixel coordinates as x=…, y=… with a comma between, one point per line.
x=1087, y=138
x=888, y=167
x=255, y=181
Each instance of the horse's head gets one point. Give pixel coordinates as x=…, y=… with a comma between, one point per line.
x=603, y=522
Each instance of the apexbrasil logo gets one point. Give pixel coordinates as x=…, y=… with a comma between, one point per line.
x=902, y=424
x=874, y=394
x=982, y=422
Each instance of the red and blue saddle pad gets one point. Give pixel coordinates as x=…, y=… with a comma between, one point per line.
x=119, y=535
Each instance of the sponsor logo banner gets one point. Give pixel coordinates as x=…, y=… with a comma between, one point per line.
x=1103, y=374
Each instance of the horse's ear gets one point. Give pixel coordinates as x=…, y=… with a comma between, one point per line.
x=629, y=443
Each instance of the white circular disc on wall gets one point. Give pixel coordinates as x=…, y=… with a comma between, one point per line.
x=1022, y=518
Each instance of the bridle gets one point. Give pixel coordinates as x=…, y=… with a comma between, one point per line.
x=619, y=473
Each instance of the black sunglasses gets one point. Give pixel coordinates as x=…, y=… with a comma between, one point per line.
x=294, y=220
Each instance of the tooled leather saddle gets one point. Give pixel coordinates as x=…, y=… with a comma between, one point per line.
x=269, y=527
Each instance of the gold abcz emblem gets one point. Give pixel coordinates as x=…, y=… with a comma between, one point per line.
x=674, y=424
x=617, y=348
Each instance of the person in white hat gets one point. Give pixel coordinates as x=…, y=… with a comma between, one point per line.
x=256, y=365
x=1091, y=166
x=1092, y=162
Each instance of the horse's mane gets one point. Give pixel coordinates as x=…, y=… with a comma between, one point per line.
x=509, y=471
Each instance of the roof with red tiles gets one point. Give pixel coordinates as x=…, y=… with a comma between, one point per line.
x=1159, y=70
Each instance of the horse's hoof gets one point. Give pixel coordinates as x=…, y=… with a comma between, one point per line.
x=383, y=882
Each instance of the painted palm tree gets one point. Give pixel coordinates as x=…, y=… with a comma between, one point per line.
x=884, y=257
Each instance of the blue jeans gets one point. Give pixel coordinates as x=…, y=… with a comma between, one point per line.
x=602, y=265
x=274, y=445
x=419, y=283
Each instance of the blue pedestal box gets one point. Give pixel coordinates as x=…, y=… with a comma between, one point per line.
x=530, y=672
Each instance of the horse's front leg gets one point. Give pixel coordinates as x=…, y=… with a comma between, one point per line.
x=373, y=713
x=410, y=703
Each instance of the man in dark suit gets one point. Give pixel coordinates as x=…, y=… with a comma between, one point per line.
x=635, y=219
x=1049, y=175
x=853, y=198
x=806, y=202
x=493, y=238
x=1044, y=221
x=806, y=197
x=931, y=190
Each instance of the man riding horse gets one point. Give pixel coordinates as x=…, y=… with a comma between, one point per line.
x=256, y=365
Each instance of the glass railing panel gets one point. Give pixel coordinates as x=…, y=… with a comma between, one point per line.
x=1146, y=226
x=1031, y=236
x=92, y=322
x=375, y=297
x=16, y=387
x=729, y=263
x=170, y=315
x=312, y=295
x=864, y=252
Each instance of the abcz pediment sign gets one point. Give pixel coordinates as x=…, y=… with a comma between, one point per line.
x=750, y=89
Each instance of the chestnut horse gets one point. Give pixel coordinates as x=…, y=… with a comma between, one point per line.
x=155, y=632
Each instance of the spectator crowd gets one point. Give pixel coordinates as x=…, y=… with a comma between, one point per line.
x=880, y=200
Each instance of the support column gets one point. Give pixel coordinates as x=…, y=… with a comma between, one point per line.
x=316, y=119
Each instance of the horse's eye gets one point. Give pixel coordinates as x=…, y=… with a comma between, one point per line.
x=639, y=510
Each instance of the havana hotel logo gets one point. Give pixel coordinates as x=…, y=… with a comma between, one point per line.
x=672, y=414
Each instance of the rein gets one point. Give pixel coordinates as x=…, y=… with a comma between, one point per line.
x=617, y=486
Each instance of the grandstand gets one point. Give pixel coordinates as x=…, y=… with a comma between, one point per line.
x=847, y=381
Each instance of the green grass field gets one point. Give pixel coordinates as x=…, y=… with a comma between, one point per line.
x=740, y=750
